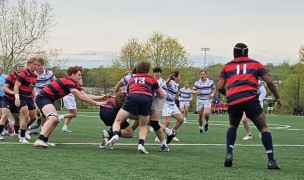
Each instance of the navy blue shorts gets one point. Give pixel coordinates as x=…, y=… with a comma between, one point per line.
x=26, y=101
x=41, y=101
x=252, y=108
x=9, y=104
x=108, y=116
x=138, y=104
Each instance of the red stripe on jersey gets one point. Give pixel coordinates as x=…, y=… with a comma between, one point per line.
x=10, y=81
x=241, y=77
x=142, y=83
x=60, y=88
x=28, y=81
x=110, y=103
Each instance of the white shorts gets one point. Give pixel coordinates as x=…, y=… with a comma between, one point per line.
x=201, y=104
x=184, y=103
x=170, y=109
x=158, y=104
x=69, y=102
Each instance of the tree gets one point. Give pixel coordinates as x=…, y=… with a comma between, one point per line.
x=24, y=31
x=165, y=51
x=131, y=53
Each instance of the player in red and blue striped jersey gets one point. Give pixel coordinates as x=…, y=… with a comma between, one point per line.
x=139, y=101
x=8, y=101
x=241, y=78
x=58, y=89
x=24, y=94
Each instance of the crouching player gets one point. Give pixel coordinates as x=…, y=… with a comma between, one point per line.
x=138, y=102
x=55, y=90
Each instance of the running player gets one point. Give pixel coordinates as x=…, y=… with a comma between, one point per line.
x=184, y=100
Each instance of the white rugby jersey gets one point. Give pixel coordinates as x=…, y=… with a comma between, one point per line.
x=44, y=79
x=261, y=91
x=185, y=94
x=162, y=84
x=171, y=91
x=204, y=89
x=125, y=81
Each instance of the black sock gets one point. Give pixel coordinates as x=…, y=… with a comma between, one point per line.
x=267, y=142
x=141, y=141
x=41, y=137
x=230, y=139
x=16, y=128
x=110, y=132
x=1, y=128
x=46, y=139
x=119, y=133
x=22, y=133
x=116, y=133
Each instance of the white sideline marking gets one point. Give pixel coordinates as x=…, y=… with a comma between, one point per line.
x=154, y=144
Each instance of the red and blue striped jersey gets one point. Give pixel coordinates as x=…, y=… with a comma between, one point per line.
x=10, y=81
x=142, y=83
x=60, y=88
x=28, y=80
x=241, y=77
x=110, y=103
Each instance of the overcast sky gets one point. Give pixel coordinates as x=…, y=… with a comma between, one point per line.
x=272, y=29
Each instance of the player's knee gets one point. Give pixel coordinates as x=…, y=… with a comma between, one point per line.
x=155, y=125
x=52, y=116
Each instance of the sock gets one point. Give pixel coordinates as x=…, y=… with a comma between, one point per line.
x=1, y=128
x=41, y=137
x=141, y=141
x=110, y=132
x=64, y=127
x=163, y=143
x=22, y=133
x=267, y=142
x=119, y=133
x=46, y=139
x=230, y=139
x=116, y=133
x=168, y=132
x=16, y=128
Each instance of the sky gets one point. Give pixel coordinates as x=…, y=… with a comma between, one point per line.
x=272, y=29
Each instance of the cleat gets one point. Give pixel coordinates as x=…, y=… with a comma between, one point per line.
x=247, y=137
x=156, y=139
x=110, y=143
x=206, y=126
x=228, y=160
x=151, y=130
x=142, y=149
x=50, y=144
x=102, y=145
x=105, y=135
x=169, y=138
x=164, y=148
x=272, y=164
x=66, y=131
x=22, y=140
x=175, y=139
x=201, y=130
x=1, y=137
x=40, y=143
x=27, y=135
x=33, y=126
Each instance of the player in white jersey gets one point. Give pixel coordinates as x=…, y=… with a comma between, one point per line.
x=262, y=94
x=170, y=108
x=44, y=77
x=185, y=96
x=205, y=89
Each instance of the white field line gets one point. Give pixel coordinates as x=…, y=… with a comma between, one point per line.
x=154, y=144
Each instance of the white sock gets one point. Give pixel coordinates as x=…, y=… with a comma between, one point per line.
x=168, y=132
x=60, y=117
x=164, y=143
x=64, y=127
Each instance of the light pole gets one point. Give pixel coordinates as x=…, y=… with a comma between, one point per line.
x=205, y=49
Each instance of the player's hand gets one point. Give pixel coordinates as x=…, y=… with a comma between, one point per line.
x=278, y=100
x=101, y=103
x=104, y=97
x=17, y=102
x=171, y=76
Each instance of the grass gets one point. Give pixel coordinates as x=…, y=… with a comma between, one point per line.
x=196, y=156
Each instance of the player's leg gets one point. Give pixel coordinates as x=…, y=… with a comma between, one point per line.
x=247, y=127
x=206, y=114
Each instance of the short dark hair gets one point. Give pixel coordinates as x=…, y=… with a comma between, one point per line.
x=175, y=73
x=157, y=69
x=239, y=50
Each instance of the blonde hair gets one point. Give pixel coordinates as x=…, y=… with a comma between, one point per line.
x=31, y=60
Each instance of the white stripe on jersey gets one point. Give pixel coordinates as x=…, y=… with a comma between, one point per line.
x=204, y=89
x=44, y=80
x=185, y=94
x=171, y=91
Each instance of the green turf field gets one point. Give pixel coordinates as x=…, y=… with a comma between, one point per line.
x=196, y=156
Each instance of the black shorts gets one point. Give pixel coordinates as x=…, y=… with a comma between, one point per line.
x=26, y=101
x=252, y=108
x=9, y=104
x=41, y=101
x=138, y=104
x=108, y=116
